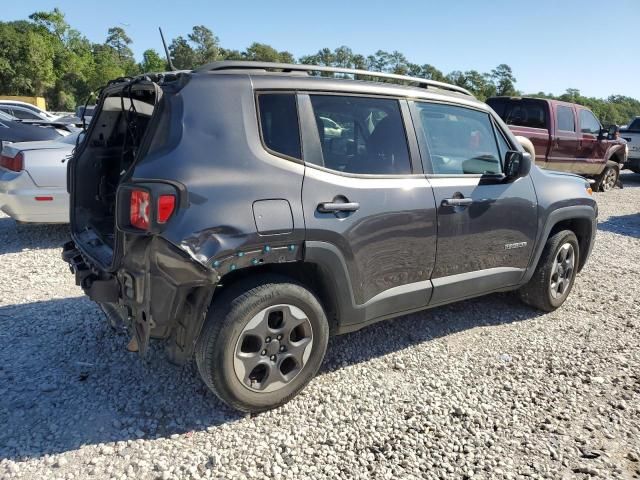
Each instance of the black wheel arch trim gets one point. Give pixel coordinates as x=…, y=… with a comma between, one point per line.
x=582, y=212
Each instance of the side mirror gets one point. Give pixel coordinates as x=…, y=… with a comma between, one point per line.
x=612, y=132
x=516, y=164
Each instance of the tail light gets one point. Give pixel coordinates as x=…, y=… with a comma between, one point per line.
x=148, y=209
x=166, y=206
x=139, y=209
x=15, y=164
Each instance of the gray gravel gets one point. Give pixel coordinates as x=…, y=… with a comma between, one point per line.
x=482, y=389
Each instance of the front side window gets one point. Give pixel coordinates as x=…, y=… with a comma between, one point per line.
x=460, y=140
x=279, y=123
x=635, y=125
x=564, y=119
x=589, y=123
x=361, y=135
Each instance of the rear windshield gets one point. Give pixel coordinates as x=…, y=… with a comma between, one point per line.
x=521, y=112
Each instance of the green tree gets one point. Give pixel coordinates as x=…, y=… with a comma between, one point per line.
x=118, y=39
x=182, y=54
x=504, y=80
x=266, y=53
x=206, y=45
x=152, y=62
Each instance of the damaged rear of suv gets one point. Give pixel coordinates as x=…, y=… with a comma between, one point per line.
x=244, y=211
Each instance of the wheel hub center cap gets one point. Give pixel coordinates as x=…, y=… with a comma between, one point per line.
x=273, y=347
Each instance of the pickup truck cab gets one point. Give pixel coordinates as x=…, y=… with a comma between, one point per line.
x=567, y=137
x=632, y=136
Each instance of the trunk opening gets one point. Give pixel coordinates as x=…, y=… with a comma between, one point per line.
x=114, y=143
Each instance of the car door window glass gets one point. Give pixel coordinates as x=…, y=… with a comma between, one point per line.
x=589, y=123
x=564, y=119
x=25, y=114
x=279, y=123
x=525, y=113
x=460, y=140
x=361, y=135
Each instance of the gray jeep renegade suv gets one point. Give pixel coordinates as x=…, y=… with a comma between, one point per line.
x=245, y=211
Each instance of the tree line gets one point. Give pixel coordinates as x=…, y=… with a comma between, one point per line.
x=45, y=56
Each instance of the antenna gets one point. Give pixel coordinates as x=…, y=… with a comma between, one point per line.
x=166, y=52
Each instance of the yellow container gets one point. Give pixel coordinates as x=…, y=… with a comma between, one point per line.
x=37, y=101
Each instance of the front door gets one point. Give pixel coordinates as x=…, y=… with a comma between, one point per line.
x=486, y=226
x=592, y=149
x=368, y=208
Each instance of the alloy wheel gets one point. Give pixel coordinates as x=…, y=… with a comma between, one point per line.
x=609, y=180
x=273, y=348
x=562, y=270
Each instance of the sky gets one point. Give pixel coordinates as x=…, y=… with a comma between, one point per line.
x=551, y=45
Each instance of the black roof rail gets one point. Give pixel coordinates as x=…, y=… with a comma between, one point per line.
x=291, y=67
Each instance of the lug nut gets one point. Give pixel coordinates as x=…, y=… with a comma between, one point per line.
x=273, y=358
x=279, y=337
x=268, y=339
x=263, y=353
x=282, y=348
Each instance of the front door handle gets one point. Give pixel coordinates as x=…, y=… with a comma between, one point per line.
x=333, y=207
x=457, y=202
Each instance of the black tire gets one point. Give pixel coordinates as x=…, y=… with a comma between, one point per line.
x=538, y=292
x=216, y=349
x=608, y=178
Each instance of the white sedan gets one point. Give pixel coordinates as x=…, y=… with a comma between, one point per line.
x=33, y=180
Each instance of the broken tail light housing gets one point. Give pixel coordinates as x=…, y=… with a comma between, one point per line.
x=140, y=209
x=14, y=164
x=145, y=208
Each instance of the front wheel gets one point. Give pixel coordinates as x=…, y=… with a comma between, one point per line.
x=262, y=343
x=555, y=273
x=609, y=177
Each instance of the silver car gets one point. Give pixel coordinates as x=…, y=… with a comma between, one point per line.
x=33, y=180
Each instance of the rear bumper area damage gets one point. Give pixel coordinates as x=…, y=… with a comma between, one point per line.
x=165, y=293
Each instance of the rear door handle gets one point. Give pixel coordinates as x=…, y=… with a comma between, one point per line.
x=333, y=207
x=457, y=202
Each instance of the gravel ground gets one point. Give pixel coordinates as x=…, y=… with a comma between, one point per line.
x=482, y=389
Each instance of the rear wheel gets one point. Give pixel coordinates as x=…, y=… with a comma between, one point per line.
x=262, y=343
x=609, y=177
x=555, y=273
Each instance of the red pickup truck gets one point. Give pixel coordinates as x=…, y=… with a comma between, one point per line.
x=566, y=137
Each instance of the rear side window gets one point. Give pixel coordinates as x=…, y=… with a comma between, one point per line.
x=522, y=113
x=635, y=125
x=589, y=123
x=460, y=140
x=279, y=123
x=361, y=135
x=564, y=119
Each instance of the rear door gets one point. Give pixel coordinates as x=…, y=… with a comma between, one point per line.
x=564, y=139
x=591, y=150
x=368, y=208
x=486, y=225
